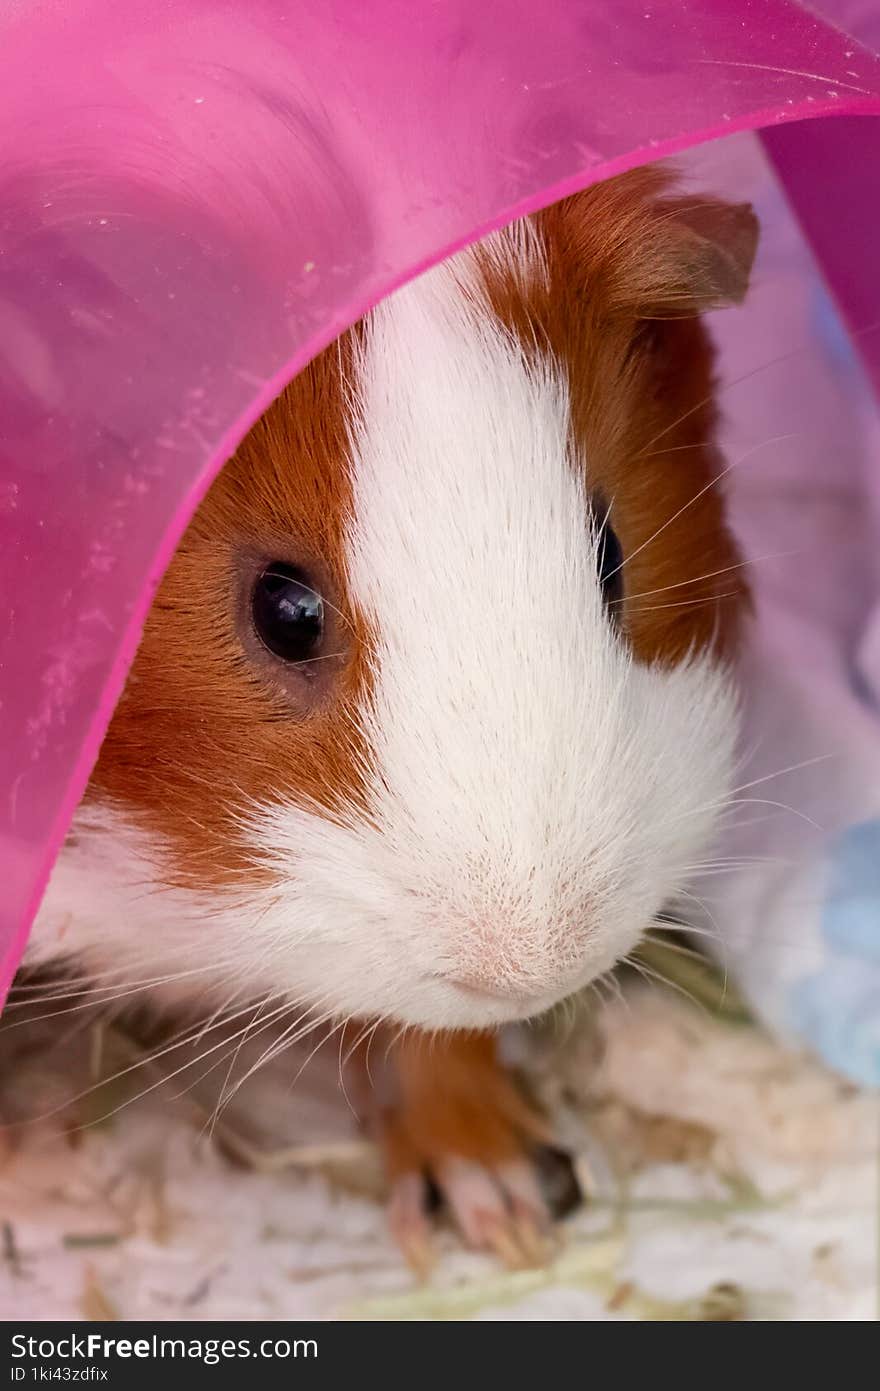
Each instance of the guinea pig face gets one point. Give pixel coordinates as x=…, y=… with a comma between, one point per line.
x=431, y=715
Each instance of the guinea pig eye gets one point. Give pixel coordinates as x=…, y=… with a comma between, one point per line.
x=609, y=559
x=288, y=613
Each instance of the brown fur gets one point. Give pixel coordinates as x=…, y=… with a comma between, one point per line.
x=208, y=721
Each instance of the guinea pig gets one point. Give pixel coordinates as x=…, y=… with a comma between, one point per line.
x=434, y=709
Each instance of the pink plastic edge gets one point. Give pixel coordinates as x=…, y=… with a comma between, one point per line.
x=229, y=441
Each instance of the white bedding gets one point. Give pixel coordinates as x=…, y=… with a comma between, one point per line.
x=749, y=1167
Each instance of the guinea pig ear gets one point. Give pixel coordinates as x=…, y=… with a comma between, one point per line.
x=706, y=249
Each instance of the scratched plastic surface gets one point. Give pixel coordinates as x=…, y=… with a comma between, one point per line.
x=196, y=195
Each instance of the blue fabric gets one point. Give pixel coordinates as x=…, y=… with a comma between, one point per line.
x=838, y=1008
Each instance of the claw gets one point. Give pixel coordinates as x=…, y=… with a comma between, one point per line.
x=532, y=1238
x=418, y=1252
x=529, y=1214
x=408, y=1220
x=499, y=1235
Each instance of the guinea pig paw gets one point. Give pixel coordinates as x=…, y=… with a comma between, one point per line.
x=498, y=1207
x=452, y=1123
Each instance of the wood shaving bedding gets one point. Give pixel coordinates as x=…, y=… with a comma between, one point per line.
x=727, y=1179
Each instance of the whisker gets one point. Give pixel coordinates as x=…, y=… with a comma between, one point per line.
x=779, y=806
x=370, y=1038
x=781, y=772
x=318, y=1046
x=720, y=392
x=129, y=987
x=687, y=603
x=291, y=1035
x=342, y=1086
x=219, y=1061
x=713, y=483
x=169, y=1077
x=235, y=1057
x=148, y=1060
x=651, y=975
x=709, y=575
x=95, y=1004
x=369, y=1028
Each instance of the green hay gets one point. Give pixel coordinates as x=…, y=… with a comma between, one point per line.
x=591, y=1267
x=693, y=975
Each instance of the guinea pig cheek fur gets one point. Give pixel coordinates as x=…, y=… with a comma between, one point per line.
x=536, y=793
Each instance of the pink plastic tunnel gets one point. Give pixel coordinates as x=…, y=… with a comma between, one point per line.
x=197, y=195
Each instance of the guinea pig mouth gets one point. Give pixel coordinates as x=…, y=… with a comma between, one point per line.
x=485, y=1004
x=488, y=993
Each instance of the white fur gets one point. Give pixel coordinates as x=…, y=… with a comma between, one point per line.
x=536, y=794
